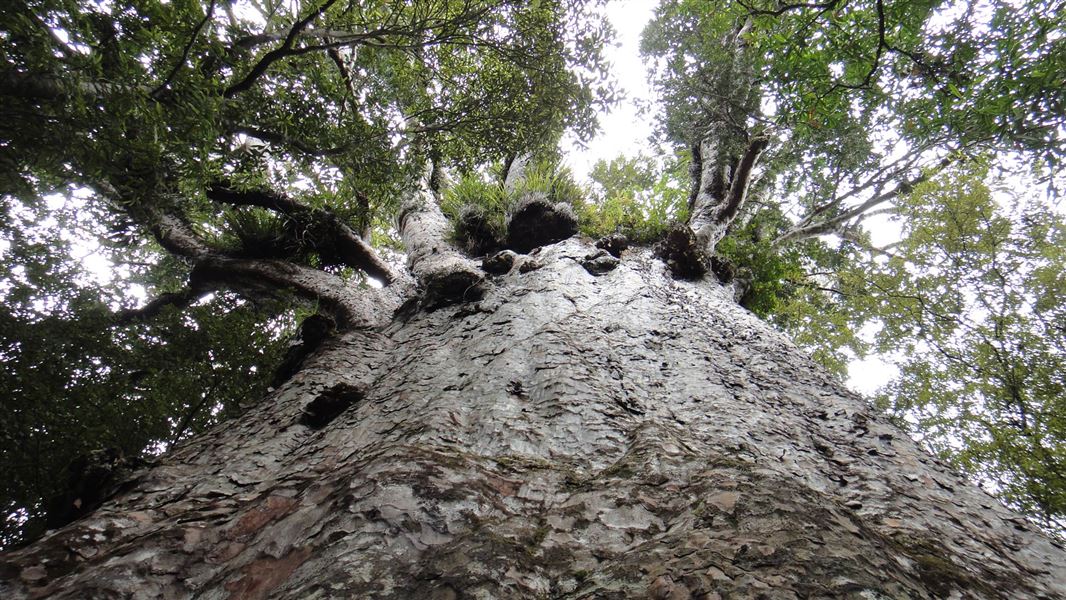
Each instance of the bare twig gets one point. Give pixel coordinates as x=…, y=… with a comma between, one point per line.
x=286, y=49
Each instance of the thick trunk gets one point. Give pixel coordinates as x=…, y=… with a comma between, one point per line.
x=569, y=435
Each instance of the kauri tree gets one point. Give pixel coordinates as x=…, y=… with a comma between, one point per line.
x=555, y=417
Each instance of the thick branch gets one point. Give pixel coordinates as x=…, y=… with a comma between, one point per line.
x=695, y=169
x=351, y=307
x=213, y=270
x=255, y=278
x=221, y=192
x=738, y=187
x=325, y=229
x=179, y=300
x=439, y=267
x=723, y=188
x=516, y=171
x=175, y=234
x=783, y=8
x=37, y=86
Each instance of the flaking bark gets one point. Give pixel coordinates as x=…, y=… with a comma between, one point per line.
x=571, y=435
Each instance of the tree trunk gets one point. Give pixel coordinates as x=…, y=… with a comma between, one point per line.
x=569, y=435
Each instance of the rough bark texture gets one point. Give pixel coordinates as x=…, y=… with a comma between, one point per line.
x=444, y=273
x=572, y=434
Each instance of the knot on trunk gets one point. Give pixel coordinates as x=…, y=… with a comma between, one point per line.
x=329, y=405
x=536, y=222
x=682, y=253
x=314, y=330
x=614, y=244
x=452, y=280
x=723, y=269
x=499, y=263
x=599, y=262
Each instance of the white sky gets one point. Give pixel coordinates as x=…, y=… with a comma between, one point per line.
x=623, y=131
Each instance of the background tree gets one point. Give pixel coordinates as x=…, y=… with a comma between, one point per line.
x=972, y=298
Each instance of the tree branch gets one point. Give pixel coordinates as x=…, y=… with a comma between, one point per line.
x=882, y=45
x=180, y=300
x=695, y=169
x=185, y=53
x=722, y=190
x=213, y=270
x=445, y=274
x=738, y=187
x=807, y=229
x=193, y=411
x=175, y=234
x=783, y=8
x=37, y=86
x=326, y=230
x=516, y=171
x=877, y=180
x=350, y=307
x=277, y=54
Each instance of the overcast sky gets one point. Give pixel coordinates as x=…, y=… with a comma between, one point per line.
x=623, y=131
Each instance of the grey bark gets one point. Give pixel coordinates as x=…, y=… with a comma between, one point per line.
x=350, y=306
x=570, y=435
x=516, y=171
x=440, y=269
x=213, y=269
